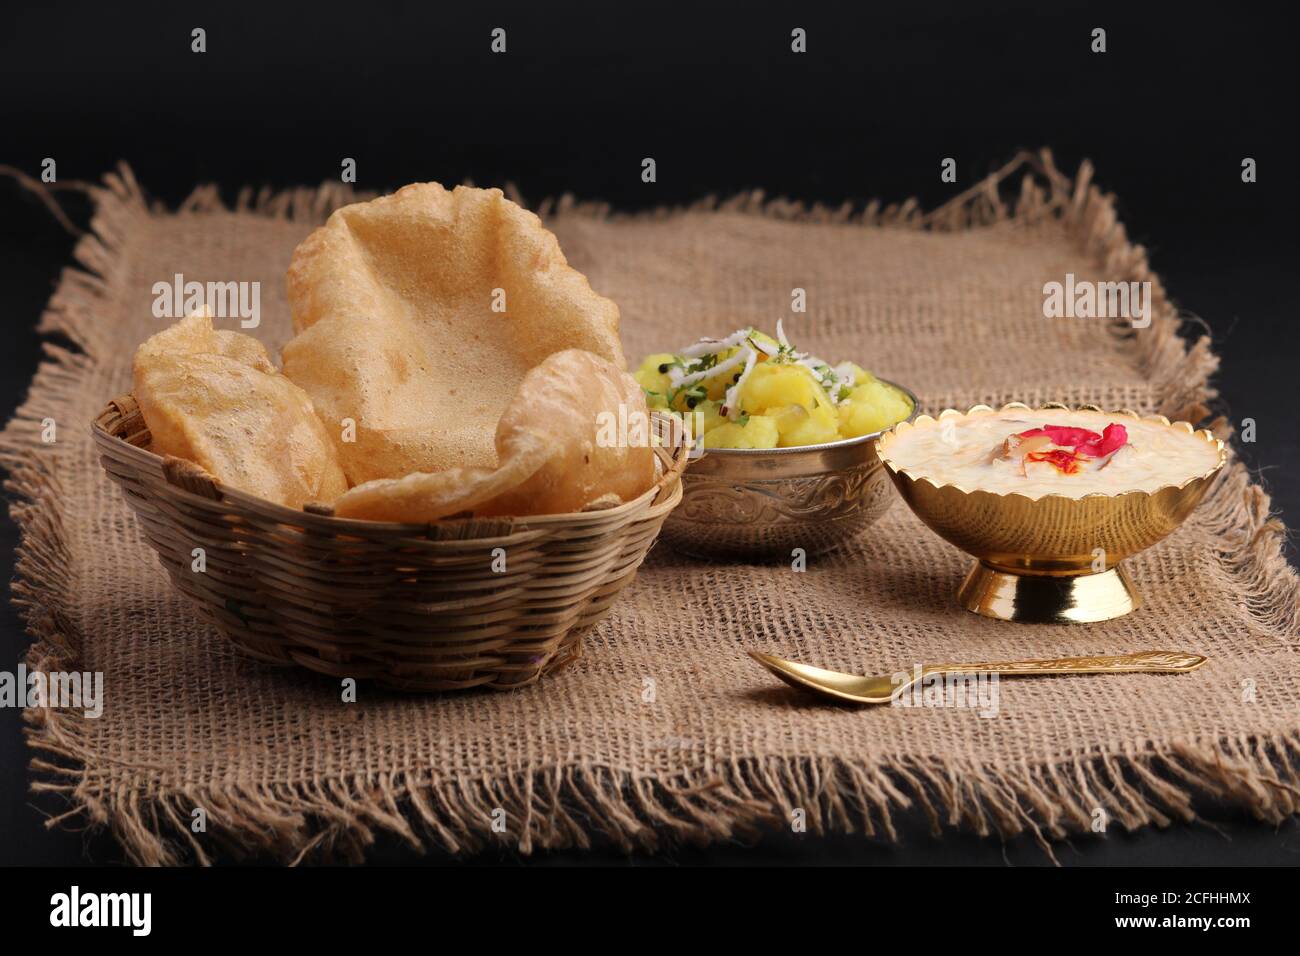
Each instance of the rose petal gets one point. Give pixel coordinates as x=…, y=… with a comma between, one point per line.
x=1113, y=438
x=1063, y=435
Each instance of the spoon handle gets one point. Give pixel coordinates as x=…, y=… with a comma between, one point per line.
x=1176, y=662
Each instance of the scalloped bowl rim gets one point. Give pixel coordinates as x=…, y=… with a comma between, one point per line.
x=916, y=421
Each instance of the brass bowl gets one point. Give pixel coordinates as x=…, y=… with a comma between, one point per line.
x=1050, y=559
x=766, y=502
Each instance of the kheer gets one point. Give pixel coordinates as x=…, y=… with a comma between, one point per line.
x=1052, y=452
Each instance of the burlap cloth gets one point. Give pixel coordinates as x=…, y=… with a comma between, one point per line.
x=664, y=729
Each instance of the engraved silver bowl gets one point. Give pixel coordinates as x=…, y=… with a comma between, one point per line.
x=766, y=502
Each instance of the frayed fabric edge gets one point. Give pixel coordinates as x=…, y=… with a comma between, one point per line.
x=578, y=805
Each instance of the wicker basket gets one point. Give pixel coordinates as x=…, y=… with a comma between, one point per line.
x=411, y=607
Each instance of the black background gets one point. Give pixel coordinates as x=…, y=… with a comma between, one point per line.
x=585, y=91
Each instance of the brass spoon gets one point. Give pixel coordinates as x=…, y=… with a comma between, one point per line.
x=882, y=689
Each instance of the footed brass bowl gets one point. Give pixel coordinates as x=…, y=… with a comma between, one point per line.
x=763, y=503
x=1050, y=559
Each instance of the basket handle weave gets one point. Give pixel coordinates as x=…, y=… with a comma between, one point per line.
x=190, y=477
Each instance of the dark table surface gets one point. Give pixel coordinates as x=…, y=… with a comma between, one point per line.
x=1166, y=114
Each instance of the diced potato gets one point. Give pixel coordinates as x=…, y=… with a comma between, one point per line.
x=789, y=418
x=872, y=407
x=860, y=376
x=772, y=386
x=759, y=431
x=717, y=385
x=708, y=419
x=798, y=426
x=783, y=403
x=650, y=378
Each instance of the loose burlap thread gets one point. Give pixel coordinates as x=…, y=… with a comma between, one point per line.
x=664, y=730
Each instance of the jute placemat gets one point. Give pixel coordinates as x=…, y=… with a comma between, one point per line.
x=664, y=729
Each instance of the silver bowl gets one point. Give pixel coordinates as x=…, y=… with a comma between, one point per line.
x=766, y=502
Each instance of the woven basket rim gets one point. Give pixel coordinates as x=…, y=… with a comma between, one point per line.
x=672, y=462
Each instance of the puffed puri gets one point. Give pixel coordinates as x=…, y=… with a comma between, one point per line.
x=418, y=314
